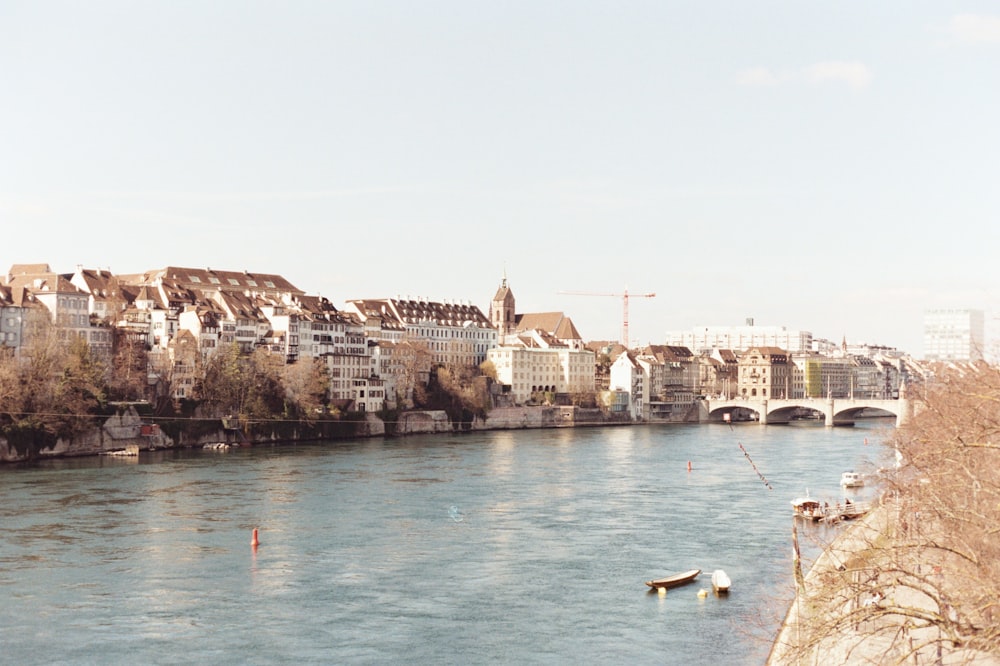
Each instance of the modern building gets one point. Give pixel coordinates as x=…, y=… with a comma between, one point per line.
x=954, y=335
x=705, y=339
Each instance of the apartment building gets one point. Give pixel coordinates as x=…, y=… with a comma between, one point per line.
x=68, y=306
x=627, y=376
x=705, y=339
x=954, y=335
x=764, y=372
x=454, y=333
x=537, y=366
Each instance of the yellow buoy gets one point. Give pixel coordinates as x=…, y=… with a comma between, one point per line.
x=702, y=594
x=662, y=591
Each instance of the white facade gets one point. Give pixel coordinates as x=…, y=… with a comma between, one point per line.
x=454, y=333
x=954, y=335
x=628, y=376
x=531, y=371
x=704, y=339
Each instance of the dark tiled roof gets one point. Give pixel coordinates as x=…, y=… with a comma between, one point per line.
x=207, y=278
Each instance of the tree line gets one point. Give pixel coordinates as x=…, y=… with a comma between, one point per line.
x=58, y=389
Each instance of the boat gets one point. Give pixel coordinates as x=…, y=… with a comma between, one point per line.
x=673, y=581
x=851, y=479
x=720, y=581
x=808, y=508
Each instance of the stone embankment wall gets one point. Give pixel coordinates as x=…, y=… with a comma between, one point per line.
x=126, y=430
x=510, y=418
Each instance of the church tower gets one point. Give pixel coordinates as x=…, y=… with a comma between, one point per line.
x=502, y=310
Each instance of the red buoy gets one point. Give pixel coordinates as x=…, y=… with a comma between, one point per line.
x=253, y=541
x=689, y=465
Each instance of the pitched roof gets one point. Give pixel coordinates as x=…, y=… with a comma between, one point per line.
x=669, y=352
x=23, y=270
x=727, y=355
x=207, y=278
x=503, y=292
x=50, y=283
x=416, y=311
x=555, y=323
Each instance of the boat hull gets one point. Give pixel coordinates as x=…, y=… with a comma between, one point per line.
x=673, y=581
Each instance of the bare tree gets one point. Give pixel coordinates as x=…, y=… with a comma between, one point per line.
x=129, y=370
x=919, y=580
x=306, y=383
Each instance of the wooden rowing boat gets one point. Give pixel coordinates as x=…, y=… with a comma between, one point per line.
x=674, y=580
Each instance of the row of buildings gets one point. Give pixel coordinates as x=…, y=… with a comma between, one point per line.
x=375, y=351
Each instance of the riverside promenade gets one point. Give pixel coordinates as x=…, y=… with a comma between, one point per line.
x=834, y=621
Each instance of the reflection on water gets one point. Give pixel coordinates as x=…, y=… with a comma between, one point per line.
x=521, y=546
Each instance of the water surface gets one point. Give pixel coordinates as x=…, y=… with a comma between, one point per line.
x=519, y=547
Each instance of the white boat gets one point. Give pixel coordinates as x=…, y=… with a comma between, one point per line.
x=851, y=479
x=720, y=581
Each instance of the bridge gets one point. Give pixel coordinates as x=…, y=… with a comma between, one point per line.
x=834, y=411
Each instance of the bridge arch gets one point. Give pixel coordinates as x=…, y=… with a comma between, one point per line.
x=840, y=411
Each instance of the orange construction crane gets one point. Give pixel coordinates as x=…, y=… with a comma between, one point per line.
x=624, y=296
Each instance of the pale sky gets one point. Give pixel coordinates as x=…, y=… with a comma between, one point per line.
x=825, y=166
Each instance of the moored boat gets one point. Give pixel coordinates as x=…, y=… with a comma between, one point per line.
x=808, y=508
x=720, y=581
x=674, y=580
x=851, y=479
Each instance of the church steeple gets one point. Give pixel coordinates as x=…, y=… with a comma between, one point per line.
x=502, y=309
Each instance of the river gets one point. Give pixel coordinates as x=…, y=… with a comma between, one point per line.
x=526, y=547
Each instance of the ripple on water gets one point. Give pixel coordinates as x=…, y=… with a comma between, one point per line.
x=362, y=558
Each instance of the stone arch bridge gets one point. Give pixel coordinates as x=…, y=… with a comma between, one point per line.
x=835, y=411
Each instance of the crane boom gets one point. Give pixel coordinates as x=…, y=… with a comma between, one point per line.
x=624, y=296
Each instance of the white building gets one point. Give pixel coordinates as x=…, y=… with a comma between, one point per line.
x=454, y=333
x=538, y=364
x=628, y=376
x=705, y=339
x=954, y=335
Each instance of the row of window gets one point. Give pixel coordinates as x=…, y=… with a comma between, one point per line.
x=73, y=303
x=233, y=281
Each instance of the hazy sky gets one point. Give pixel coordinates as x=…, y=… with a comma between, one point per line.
x=827, y=166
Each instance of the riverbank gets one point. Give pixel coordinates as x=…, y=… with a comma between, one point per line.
x=128, y=431
x=850, y=611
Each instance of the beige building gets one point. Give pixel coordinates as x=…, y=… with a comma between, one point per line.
x=538, y=367
x=540, y=354
x=765, y=372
